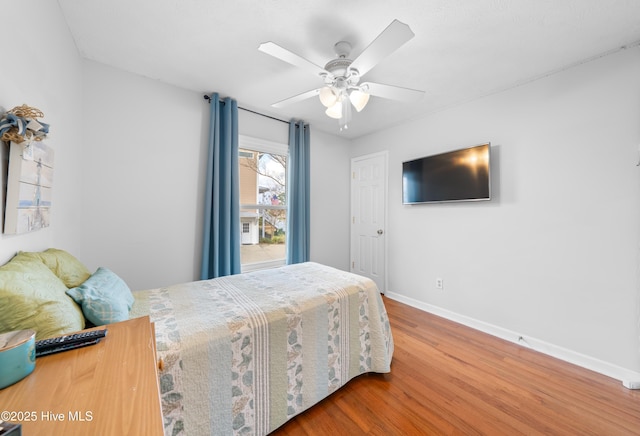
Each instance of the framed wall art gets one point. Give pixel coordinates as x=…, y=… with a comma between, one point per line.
x=29, y=184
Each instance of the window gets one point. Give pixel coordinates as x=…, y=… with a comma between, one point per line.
x=263, y=202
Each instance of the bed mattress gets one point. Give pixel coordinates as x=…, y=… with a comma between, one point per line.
x=243, y=354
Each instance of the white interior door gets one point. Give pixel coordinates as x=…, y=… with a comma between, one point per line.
x=368, y=216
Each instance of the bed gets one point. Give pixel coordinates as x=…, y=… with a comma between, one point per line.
x=244, y=354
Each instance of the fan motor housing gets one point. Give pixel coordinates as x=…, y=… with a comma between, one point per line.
x=338, y=67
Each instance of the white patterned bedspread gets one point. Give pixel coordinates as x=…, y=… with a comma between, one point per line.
x=243, y=354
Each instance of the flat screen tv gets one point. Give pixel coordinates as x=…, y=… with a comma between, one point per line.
x=459, y=175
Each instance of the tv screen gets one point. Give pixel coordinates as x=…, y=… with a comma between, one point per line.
x=459, y=175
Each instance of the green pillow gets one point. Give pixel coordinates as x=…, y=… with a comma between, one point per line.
x=105, y=298
x=34, y=298
x=68, y=269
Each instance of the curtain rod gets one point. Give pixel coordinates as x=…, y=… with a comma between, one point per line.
x=208, y=98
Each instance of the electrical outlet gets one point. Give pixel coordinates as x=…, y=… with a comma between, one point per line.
x=439, y=283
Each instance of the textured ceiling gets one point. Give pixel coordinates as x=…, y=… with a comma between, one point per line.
x=462, y=49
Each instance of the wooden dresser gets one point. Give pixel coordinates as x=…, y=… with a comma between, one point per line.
x=110, y=388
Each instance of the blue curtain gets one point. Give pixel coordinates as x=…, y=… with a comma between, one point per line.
x=298, y=215
x=221, y=244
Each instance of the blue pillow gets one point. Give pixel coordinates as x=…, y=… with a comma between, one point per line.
x=104, y=297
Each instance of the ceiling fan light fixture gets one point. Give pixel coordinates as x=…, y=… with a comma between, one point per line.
x=335, y=111
x=327, y=97
x=359, y=99
x=341, y=76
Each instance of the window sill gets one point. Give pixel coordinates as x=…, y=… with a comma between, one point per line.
x=248, y=267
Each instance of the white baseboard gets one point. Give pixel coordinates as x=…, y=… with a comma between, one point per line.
x=630, y=379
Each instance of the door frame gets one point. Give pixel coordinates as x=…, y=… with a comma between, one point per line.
x=352, y=236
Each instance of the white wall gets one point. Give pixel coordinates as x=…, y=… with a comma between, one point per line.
x=144, y=172
x=143, y=160
x=41, y=67
x=330, y=211
x=554, y=255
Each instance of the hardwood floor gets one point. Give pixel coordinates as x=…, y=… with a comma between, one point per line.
x=449, y=379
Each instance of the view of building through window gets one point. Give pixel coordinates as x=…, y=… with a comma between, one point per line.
x=263, y=208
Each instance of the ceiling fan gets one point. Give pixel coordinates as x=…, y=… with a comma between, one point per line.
x=341, y=76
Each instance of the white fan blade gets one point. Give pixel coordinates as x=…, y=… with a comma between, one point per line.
x=392, y=92
x=273, y=49
x=297, y=98
x=391, y=39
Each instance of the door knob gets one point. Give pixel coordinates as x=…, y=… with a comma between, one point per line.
x=380, y=231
